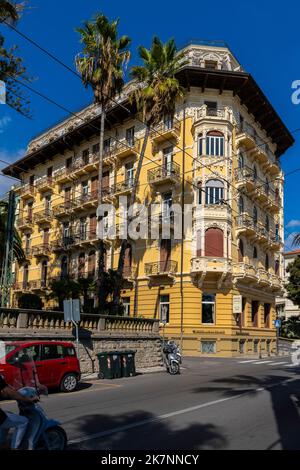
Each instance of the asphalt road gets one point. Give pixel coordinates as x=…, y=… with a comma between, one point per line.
x=213, y=404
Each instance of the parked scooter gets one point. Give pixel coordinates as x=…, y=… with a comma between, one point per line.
x=43, y=433
x=172, y=357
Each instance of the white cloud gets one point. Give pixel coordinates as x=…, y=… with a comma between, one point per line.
x=4, y=121
x=293, y=223
x=288, y=245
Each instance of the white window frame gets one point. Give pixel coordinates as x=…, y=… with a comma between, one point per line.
x=162, y=305
x=126, y=305
x=215, y=145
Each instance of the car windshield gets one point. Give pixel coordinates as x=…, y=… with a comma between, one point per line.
x=5, y=349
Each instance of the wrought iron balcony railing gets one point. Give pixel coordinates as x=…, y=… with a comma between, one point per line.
x=161, y=268
x=41, y=250
x=42, y=216
x=168, y=172
x=25, y=222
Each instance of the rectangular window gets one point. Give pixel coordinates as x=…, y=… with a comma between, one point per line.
x=48, y=204
x=211, y=108
x=164, y=308
x=106, y=145
x=254, y=312
x=69, y=162
x=86, y=156
x=85, y=188
x=129, y=173
x=255, y=346
x=215, y=146
x=95, y=149
x=208, y=347
x=49, y=172
x=213, y=195
x=242, y=346
x=200, y=145
x=31, y=180
x=267, y=310
x=168, y=160
x=208, y=308
x=168, y=122
x=82, y=228
x=126, y=305
x=130, y=136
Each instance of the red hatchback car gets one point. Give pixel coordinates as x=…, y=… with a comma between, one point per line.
x=56, y=363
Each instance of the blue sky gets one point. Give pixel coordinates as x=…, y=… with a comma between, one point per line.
x=265, y=39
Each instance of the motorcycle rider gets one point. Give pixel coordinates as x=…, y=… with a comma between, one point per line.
x=11, y=420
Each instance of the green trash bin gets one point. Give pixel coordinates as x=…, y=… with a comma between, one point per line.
x=128, y=363
x=109, y=365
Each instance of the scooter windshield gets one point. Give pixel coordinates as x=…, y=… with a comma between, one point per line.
x=18, y=365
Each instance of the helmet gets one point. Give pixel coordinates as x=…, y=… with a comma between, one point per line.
x=28, y=392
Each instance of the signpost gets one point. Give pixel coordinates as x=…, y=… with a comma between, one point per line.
x=72, y=314
x=277, y=324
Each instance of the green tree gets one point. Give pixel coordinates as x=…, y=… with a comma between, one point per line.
x=156, y=92
x=293, y=285
x=64, y=289
x=101, y=65
x=11, y=66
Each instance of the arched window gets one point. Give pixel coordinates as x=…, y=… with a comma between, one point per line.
x=214, y=242
x=81, y=265
x=25, y=276
x=215, y=144
x=241, y=161
x=254, y=252
x=200, y=145
x=255, y=173
x=64, y=267
x=255, y=215
x=92, y=263
x=241, y=205
x=241, y=251
x=267, y=262
x=214, y=192
x=267, y=223
x=44, y=273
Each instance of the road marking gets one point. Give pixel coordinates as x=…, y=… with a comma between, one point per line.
x=145, y=422
x=263, y=362
x=246, y=362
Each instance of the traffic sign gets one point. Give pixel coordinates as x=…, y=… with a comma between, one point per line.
x=277, y=323
x=71, y=310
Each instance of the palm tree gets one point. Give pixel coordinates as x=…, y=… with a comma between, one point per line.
x=101, y=65
x=8, y=11
x=157, y=90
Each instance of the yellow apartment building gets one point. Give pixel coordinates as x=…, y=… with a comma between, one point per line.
x=214, y=288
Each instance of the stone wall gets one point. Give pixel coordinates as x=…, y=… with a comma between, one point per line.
x=96, y=334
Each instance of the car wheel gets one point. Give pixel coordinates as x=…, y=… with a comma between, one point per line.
x=69, y=383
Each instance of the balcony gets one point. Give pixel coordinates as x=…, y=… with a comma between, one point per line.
x=38, y=285
x=212, y=114
x=273, y=202
x=41, y=250
x=275, y=283
x=25, y=223
x=125, y=149
x=166, y=268
x=90, y=275
x=245, y=225
x=169, y=173
x=168, y=130
x=263, y=277
x=122, y=188
x=22, y=286
x=162, y=221
x=243, y=272
x=64, y=175
x=27, y=191
x=62, y=244
x=43, y=217
x=262, y=234
x=246, y=136
x=86, y=237
x=45, y=184
x=85, y=201
x=63, y=209
x=210, y=268
x=275, y=241
x=82, y=166
x=244, y=178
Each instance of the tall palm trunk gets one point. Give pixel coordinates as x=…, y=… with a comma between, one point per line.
x=101, y=299
x=117, y=293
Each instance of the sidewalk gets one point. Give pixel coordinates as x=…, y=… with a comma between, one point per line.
x=147, y=370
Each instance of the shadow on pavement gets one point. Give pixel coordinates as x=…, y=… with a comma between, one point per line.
x=285, y=399
x=155, y=435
